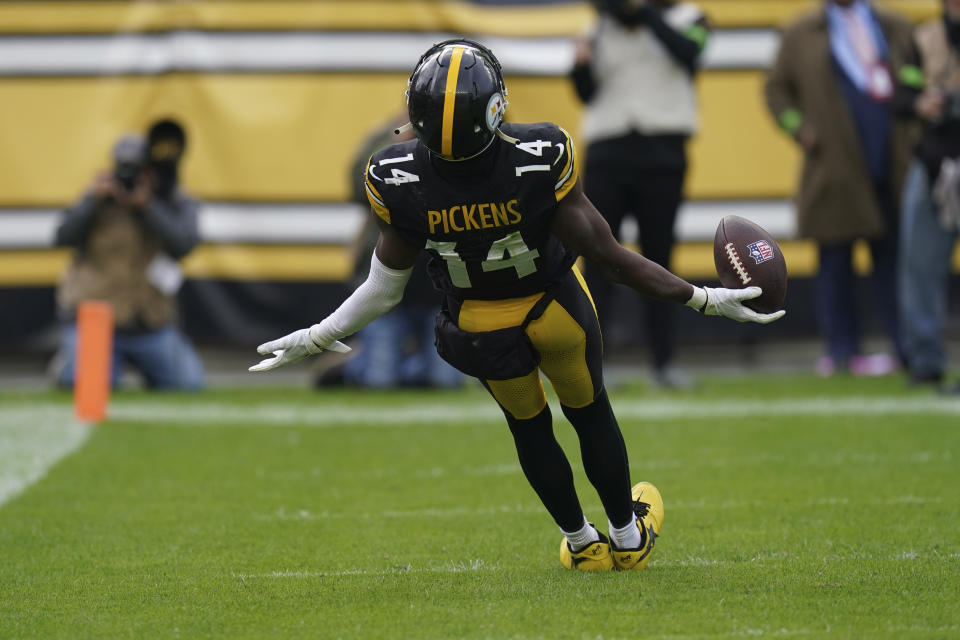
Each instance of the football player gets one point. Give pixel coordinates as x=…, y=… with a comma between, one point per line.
x=501, y=212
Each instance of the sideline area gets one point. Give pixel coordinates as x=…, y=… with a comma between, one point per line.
x=227, y=368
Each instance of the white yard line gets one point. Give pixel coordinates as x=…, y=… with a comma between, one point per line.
x=445, y=412
x=306, y=515
x=783, y=632
x=413, y=514
x=34, y=438
x=479, y=564
x=452, y=413
x=450, y=567
x=761, y=459
x=33, y=441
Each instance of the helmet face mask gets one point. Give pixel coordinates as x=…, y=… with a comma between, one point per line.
x=456, y=99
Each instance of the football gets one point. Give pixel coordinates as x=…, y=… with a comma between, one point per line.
x=746, y=255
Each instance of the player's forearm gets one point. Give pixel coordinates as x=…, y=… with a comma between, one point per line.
x=645, y=276
x=380, y=292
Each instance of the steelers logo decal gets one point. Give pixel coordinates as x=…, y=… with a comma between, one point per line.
x=495, y=108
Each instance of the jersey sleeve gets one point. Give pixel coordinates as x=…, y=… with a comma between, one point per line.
x=373, y=195
x=567, y=169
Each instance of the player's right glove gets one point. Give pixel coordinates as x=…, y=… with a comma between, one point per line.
x=729, y=304
x=293, y=347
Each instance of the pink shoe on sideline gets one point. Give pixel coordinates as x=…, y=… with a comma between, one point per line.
x=826, y=367
x=877, y=364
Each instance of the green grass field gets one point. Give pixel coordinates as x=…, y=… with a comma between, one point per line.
x=794, y=507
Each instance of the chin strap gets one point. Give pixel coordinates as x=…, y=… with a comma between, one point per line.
x=506, y=138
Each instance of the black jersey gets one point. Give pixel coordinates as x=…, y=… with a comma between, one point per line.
x=488, y=232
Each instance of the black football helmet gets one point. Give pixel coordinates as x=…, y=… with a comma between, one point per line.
x=456, y=98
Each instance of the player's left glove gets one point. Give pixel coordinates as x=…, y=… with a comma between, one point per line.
x=294, y=347
x=729, y=304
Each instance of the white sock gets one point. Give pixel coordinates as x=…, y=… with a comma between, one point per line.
x=626, y=537
x=582, y=536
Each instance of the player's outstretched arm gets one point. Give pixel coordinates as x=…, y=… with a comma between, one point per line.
x=580, y=226
x=390, y=269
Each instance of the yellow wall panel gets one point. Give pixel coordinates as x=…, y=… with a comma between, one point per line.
x=76, y=16
x=32, y=268
x=69, y=16
x=740, y=153
x=56, y=133
x=259, y=137
x=694, y=260
x=275, y=263
x=774, y=13
x=283, y=137
x=42, y=267
x=286, y=137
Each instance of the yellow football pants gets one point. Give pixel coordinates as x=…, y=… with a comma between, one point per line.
x=567, y=336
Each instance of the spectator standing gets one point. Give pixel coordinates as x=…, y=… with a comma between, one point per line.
x=931, y=200
x=831, y=88
x=636, y=76
x=128, y=231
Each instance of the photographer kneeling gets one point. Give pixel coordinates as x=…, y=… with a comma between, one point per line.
x=129, y=230
x=931, y=200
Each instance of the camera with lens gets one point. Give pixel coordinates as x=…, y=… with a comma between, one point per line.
x=126, y=174
x=130, y=159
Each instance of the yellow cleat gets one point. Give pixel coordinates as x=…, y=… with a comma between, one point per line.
x=648, y=505
x=593, y=557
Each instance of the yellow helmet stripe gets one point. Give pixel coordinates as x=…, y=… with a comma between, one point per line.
x=449, y=101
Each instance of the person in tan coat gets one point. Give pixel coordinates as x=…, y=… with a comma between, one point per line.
x=128, y=231
x=831, y=89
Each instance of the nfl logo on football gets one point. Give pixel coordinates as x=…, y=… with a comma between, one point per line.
x=760, y=251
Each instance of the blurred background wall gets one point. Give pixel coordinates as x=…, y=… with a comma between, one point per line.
x=277, y=95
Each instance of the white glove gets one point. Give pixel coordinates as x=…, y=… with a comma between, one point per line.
x=729, y=304
x=293, y=347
